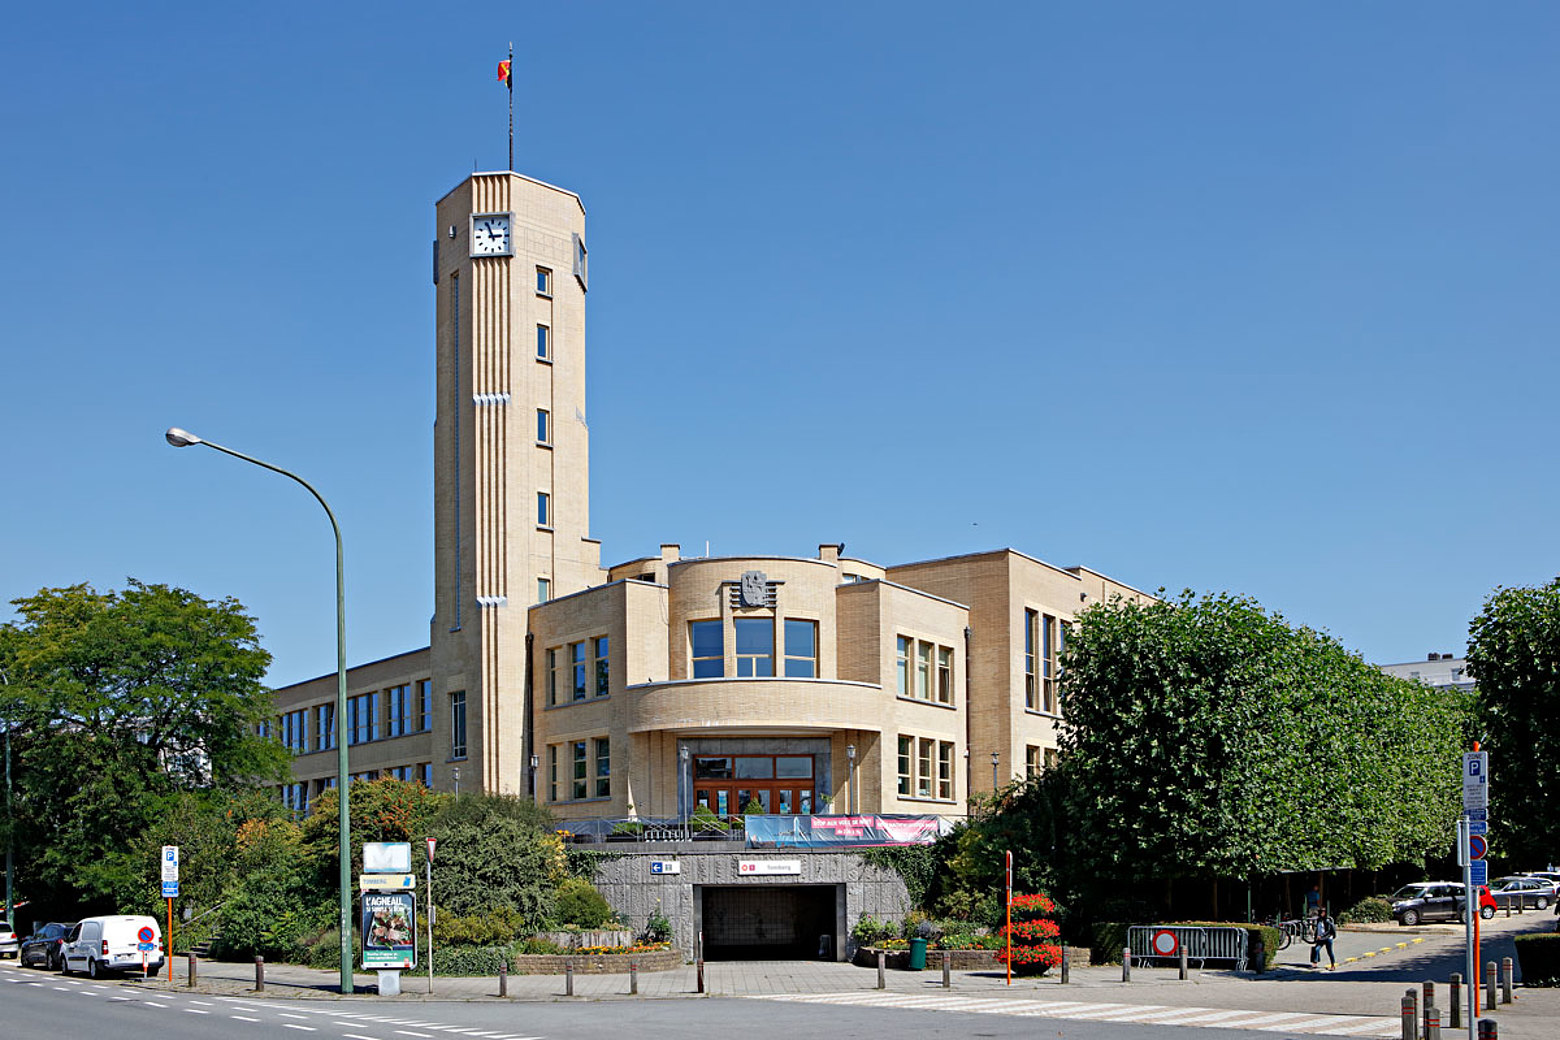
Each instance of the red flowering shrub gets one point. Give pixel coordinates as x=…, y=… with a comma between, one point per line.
x=1033, y=934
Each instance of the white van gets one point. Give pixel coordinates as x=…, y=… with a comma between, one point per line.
x=100, y=944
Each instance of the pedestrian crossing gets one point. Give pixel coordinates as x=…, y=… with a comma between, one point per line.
x=1289, y=1022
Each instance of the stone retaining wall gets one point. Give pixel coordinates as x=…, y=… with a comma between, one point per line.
x=595, y=963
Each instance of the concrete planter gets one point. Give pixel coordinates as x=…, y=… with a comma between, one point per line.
x=596, y=963
x=899, y=960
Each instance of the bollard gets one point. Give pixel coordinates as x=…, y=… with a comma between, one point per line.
x=699, y=952
x=1126, y=964
x=1489, y=985
x=568, y=978
x=191, y=980
x=1487, y=1029
x=633, y=977
x=882, y=983
x=947, y=969
x=1456, y=999
x=1432, y=1024
x=1427, y=1005
x=699, y=974
x=1183, y=962
x=503, y=979
x=1066, y=962
x=1505, y=980
x=1410, y=1016
x=259, y=974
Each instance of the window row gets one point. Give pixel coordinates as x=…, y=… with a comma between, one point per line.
x=296, y=796
x=925, y=768
x=395, y=712
x=577, y=671
x=579, y=769
x=1043, y=640
x=924, y=671
x=754, y=646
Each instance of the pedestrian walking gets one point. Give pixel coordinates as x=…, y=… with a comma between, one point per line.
x=1326, y=930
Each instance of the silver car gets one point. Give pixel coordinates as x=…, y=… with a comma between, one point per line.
x=1523, y=892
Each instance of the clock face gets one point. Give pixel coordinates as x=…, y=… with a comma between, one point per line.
x=490, y=235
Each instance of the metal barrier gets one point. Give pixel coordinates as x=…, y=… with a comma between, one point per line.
x=1202, y=943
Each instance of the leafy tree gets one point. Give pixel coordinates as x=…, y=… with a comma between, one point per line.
x=1514, y=655
x=497, y=852
x=119, y=701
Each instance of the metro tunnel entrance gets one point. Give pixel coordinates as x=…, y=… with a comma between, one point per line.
x=770, y=922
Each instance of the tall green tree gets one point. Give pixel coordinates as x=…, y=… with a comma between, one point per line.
x=1205, y=738
x=1514, y=655
x=118, y=701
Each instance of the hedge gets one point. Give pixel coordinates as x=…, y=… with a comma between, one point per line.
x=1539, y=956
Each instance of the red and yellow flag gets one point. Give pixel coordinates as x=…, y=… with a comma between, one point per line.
x=503, y=72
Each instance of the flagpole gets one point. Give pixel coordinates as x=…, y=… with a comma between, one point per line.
x=511, y=106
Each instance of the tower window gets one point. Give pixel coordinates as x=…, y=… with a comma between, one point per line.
x=543, y=426
x=543, y=343
x=581, y=263
x=543, y=509
x=543, y=590
x=543, y=282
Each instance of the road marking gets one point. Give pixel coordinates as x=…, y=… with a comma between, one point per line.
x=244, y=1018
x=359, y=1036
x=201, y=1003
x=154, y=1003
x=306, y=1029
x=408, y=1032
x=288, y=1014
x=195, y=1011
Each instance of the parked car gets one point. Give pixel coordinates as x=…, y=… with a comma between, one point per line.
x=8, y=944
x=1436, y=901
x=1546, y=875
x=43, y=948
x=102, y=944
x=1523, y=891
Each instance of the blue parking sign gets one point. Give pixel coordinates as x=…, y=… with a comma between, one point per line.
x=170, y=889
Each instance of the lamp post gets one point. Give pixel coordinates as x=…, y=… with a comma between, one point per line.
x=455, y=775
x=684, y=784
x=535, y=762
x=183, y=439
x=850, y=771
x=995, y=758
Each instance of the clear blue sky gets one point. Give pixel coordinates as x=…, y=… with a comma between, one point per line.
x=1238, y=296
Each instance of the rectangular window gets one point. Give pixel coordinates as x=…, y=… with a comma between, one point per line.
x=580, y=788
x=543, y=426
x=543, y=509
x=577, y=669
x=424, y=705
x=543, y=282
x=923, y=779
x=581, y=262
x=945, y=770
x=923, y=671
x=755, y=647
x=543, y=343
x=363, y=718
x=603, y=670
x=707, y=640
x=902, y=666
x=603, y=767
x=325, y=727
x=543, y=590
x=400, y=698
x=458, y=724
x=906, y=766
x=1031, y=762
x=944, y=675
x=425, y=773
x=1048, y=660
x=1031, y=673
x=801, y=649
x=552, y=772
x=553, y=679
x=1053, y=758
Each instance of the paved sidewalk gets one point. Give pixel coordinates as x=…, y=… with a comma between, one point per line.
x=1531, y=1017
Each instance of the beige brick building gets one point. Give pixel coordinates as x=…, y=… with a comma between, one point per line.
x=661, y=684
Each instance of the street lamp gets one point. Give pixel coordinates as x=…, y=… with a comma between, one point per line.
x=183, y=439
x=535, y=762
x=850, y=771
x=995, y=758
x=455, y=773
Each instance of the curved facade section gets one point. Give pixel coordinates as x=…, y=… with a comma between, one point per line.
x=700, y=706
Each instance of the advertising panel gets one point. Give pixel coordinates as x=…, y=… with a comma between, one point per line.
x=389, y=930
x=824, y=831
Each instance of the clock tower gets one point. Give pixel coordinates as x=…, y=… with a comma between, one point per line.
x=511, y=458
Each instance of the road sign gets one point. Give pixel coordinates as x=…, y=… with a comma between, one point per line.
x=1164, y=943
x=170, y=863
x=145, y=935
x=1478, y=827
x=386, y=882
x=145, y=946
x=387, y=857
x=1479, y=872
x=170, y=890
x=1476, y=780
x=1477, y=814
x=431, y=843
x=665, y=866
x=1477, y=846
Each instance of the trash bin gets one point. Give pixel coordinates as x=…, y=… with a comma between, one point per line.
x=917, y=954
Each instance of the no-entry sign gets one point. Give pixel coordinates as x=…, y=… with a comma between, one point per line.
x=1164, y=943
